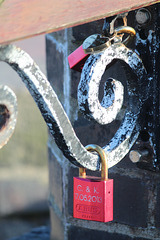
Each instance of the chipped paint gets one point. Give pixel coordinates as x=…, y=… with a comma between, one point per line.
x=89, y=104
x=88, y=88
x=56, y=118
x=8, y=101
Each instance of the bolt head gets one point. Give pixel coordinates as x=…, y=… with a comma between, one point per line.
x=143, y=16
x=134, y=156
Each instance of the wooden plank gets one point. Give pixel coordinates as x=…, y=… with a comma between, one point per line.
x=25, y=18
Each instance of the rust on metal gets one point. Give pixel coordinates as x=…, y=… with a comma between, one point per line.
x=8, y=114
x=22, y=19
x=4, y=116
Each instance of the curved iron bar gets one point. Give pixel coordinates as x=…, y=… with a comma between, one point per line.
x=106, y=111
x=91, y=76
x=56, y=118
x=8, y=114
x=137, y=89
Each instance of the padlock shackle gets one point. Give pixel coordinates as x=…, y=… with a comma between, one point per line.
x=82, y=172
x=104, y=161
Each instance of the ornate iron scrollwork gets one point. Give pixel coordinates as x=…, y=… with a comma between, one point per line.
x=55, y=116
x=89, y=103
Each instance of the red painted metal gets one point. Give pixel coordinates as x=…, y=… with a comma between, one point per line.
x=93, y=199
x=77, y=59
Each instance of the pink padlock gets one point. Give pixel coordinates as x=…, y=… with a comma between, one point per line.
x=93, y=196
x=77, y=59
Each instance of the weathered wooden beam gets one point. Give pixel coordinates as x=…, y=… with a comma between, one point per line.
x=22, y=18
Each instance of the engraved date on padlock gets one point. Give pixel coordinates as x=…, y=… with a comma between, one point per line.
x=93, y=199
x=93, y=196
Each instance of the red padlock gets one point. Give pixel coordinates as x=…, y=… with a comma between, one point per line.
x=93, y=196
x=77, y=59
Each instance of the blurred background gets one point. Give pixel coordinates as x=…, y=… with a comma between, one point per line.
x=23, y=161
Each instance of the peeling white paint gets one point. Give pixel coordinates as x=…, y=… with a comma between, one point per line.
x=88, y=88
x=56, y=118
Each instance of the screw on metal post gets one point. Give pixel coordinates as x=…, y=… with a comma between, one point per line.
x=136, y=156
x=143, y=16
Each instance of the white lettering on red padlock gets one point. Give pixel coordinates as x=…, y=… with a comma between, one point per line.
x=97, y=203
x=93, y=197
